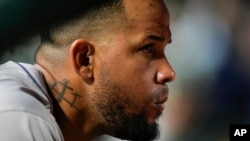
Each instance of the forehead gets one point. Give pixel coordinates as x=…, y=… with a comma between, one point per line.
x=143, y=10
x=147, y=14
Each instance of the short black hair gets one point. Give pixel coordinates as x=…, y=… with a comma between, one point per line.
x=86, y=10
x=88, y=19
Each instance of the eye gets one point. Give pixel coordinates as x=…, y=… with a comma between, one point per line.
x=147, y=48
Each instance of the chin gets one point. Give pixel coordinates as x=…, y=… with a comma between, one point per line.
x=138, y=129
x=154, y=117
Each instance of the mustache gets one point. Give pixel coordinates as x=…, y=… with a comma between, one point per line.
x=162, y=91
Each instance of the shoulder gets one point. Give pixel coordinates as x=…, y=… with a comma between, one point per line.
x=22, y=85
x=18, y=125
x=24, y=101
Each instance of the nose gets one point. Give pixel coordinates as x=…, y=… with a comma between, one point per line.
x=165, y=72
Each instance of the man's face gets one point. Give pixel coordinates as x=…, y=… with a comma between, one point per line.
x=131, y=72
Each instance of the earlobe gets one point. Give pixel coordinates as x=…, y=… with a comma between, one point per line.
x=81, y=52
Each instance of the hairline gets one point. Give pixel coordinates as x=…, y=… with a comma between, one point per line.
x=75, y=28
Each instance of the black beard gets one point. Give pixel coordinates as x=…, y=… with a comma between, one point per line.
x=129, y=126
x=137, y=129
x=132, y=127
x=112, y=103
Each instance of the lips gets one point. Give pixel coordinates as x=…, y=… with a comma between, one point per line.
x=157, y=108
x=160, y=103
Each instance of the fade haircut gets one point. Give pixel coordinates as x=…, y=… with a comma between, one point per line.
x=91, y=20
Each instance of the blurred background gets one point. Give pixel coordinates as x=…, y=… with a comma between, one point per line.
x=210, y=53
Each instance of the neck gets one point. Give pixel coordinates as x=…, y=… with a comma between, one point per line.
x=75, y=122
x=73, y=130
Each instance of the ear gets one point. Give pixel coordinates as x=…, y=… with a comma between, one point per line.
x=81, y=52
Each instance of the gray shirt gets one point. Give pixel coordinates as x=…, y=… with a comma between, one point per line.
x=25, y=106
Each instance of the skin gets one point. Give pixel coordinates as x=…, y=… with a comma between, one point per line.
x=105, y=84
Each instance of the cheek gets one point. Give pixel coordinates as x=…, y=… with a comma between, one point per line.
x=134, y=78
x=141, y=80
x=139, y=89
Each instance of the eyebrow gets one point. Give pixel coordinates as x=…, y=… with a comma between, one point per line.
x=159, y=38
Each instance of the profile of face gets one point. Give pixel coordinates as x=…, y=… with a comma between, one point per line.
x=131, y=72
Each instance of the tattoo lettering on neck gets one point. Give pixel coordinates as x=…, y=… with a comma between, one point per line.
x=62, y=89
